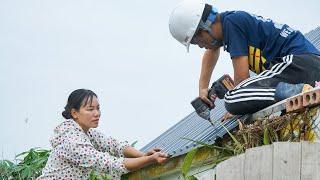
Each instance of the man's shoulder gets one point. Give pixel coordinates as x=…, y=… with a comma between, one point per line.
x=235, y=14
x=234, y=17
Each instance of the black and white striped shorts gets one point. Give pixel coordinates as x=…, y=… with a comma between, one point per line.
x=257, y=92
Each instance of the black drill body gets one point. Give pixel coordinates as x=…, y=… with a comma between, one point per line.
x=218, y=88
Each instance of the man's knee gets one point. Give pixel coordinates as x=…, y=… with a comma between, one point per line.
x=246, y=107
x=248, y=100
x=235, y=108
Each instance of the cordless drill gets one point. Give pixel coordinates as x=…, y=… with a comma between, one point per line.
x=218, y=88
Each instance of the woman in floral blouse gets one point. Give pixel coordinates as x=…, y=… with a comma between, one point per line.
x=78, y=148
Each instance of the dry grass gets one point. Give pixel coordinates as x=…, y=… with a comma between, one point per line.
x=292, y=127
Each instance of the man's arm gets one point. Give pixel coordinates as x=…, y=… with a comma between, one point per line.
x=209, y=61
x=240, y=68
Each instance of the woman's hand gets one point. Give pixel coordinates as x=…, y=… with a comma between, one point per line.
x=159, y=157
x=152, y=151
x=133, y=164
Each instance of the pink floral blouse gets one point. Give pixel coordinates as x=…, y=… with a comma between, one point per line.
x=76, y=153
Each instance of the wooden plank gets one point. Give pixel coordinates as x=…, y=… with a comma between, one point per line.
x=231, y=169
x=310, y=161
x=206, y=175
x=258, y=163
x=286, y=161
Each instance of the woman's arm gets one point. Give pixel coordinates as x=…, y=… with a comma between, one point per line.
x=107, y=143
x=85, y=155
x=133, y=164
x=115, y=147
x=131, y=152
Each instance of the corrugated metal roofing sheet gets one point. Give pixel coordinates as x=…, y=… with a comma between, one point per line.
x=195, y=128
x=314, y=37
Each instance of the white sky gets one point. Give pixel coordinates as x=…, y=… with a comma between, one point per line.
x=122, y=50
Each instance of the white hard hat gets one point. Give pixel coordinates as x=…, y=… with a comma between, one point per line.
x=184, y=20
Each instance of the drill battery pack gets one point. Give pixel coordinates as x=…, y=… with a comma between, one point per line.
x=221, y=86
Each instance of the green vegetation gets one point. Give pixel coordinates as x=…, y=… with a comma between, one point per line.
x=29, y=165
x=187, y=163
x=98, y=176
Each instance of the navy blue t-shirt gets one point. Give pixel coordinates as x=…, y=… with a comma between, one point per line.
x=262, y=40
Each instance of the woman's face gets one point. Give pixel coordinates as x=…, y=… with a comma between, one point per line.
x=88, y=115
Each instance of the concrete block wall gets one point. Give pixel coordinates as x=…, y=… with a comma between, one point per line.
x=300, y=102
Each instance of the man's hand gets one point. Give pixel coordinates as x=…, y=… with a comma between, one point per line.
x=227, y=116
x=203, y=94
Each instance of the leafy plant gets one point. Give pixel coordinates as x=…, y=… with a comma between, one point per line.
x=98, y=176
x=6, y=167
x=29, y=166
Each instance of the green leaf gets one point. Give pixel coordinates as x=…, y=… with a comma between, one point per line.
x=188, y=161
x=93, y=175
x=232, y=137
x=190, y=178
x=6, y=168
x=105, y=177
x=25, y=172
x=218, y=148
x=266, y=136
x=134, y=143
x=19, y=168
x=6, y=164
x=22, y=154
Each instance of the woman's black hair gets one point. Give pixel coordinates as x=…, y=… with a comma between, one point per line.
x=76, y=99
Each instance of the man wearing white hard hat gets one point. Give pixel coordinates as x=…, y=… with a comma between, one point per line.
x=283, y=59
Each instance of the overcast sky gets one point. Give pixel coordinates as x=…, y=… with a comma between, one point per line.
x=122, y=50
